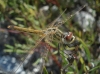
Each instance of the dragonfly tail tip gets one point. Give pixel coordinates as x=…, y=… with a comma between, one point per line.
x=10, y=26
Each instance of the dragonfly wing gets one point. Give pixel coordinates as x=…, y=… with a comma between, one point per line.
x=53, y=23
x=29, y=53
x=74, y=13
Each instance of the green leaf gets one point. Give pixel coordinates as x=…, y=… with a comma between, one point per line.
x=14, y=22
x=84, y=45
x=2, y=3
x=70, y=72
x=95, y=68
x=45, y=70
x=9, y=46
x=19, y=19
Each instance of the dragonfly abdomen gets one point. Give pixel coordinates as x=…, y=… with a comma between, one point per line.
x=29, y=30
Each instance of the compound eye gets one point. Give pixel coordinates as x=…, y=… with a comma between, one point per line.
x=69, y=37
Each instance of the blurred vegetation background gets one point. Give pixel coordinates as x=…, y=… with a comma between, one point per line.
x=38, y=14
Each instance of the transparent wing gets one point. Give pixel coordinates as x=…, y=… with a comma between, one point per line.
x=29, y=53
x=52, y=24
x=59, y=23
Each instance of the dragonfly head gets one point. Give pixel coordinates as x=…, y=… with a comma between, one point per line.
x=68, y=38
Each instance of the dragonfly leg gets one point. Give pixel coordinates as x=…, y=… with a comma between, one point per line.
x=59, y=44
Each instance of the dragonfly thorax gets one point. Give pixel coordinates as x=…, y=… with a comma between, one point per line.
x=68, y=38
x=51, y=31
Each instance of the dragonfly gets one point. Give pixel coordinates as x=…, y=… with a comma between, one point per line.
x=65, y=37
